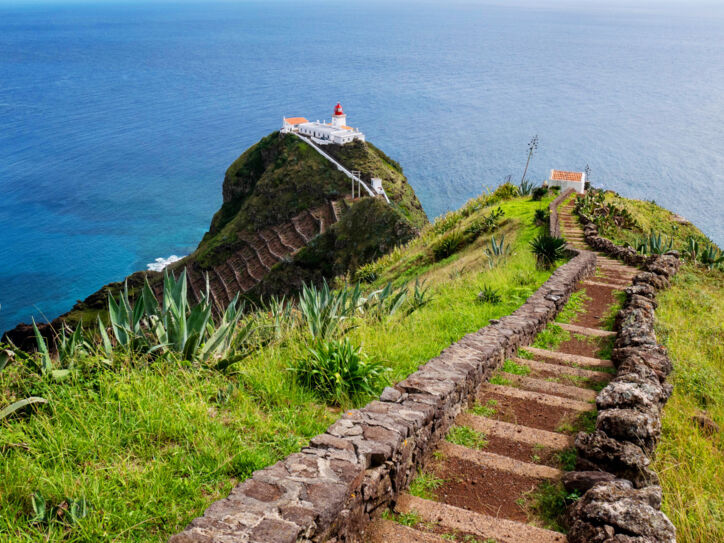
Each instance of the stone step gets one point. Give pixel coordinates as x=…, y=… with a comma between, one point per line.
x=549, y=387
x=498, y=462
x=621, y=270
x=583, y=330
x=568, y=358
x=538, y=397
x=388, y=531
x=564, y=370
x=515, y=432
x=603, y=283
x=483, y=526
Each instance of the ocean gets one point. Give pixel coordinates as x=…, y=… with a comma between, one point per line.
x=118, y=120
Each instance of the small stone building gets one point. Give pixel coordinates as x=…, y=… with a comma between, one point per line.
x=567, y=180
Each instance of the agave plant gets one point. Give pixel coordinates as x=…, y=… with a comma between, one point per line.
x=525, y=187
x=281, y=313
x=324, y=309
x=496, y=251
x=386, y=301
x=691, y=251
x=656, y=244
x=173, y=325
x=548, y=249
x=489, y=295
x=420, y=296
x=711, y=257
x=20, y=404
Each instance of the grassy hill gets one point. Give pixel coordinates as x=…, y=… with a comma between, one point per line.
x=138, y=441
x=147, y=440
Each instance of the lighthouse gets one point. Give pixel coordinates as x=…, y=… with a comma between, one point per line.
x=339, y=119
x=323, y=133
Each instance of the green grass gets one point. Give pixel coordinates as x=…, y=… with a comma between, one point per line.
x=150, y=443
x=516, y=369
x=582, y=422
x=425, y=485
x=574, y=306
x=487, y=410
x=690, y=463
x=546, y=505
x=551, y=337
x=467, y=437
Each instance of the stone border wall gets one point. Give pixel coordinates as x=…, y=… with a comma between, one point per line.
x=622, y=495
x=331, y=489
x=554, y=225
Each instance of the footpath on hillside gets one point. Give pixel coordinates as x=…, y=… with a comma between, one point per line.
x=508, y=454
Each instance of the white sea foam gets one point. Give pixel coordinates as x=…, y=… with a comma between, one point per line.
x=160, y=263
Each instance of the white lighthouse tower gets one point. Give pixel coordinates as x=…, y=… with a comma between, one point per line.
x=339, y=119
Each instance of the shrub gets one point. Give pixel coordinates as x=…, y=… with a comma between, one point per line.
x=446, y=222
x=448, y=244
x=367, y=273
x=489, y=295
x=538, y=193
x=548, y=249
x=338, y=372
x=541, y=217
x=506, y=191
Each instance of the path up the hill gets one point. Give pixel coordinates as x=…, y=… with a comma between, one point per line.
x=517, y=440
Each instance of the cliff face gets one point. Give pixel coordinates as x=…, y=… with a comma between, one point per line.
x=286, y=217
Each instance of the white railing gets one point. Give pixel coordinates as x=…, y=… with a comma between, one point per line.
x=341, y=168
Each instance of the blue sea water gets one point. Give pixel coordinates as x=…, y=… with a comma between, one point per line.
x=117, y=121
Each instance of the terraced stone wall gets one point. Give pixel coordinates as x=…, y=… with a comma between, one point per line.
x=331, y=489
x=622, y=495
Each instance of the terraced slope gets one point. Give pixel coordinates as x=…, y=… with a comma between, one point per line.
x=511, y=449
x=255, y=254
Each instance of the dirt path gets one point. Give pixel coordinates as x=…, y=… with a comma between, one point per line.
x=514, y=445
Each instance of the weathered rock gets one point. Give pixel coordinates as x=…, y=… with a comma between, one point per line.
x=632, y=393
x=613, y=509
x=659, y=282
x=641, y=289
x=708, y=426
x=652, y=356
x=581, y=481
x=640, y=427
x=597, y=451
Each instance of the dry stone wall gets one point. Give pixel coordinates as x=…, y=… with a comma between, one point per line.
x=621, y=499
x=331, y=489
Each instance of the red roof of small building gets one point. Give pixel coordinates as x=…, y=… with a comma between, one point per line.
x=295, y=120
x=560, y=175
x=338, y=110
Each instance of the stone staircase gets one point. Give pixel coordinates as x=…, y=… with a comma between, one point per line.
x=248, y=265
x=524, y=422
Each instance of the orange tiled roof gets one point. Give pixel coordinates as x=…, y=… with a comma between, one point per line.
x=560, y=175
x=295, y=120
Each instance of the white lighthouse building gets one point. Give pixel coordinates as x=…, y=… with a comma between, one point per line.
x=323, y=132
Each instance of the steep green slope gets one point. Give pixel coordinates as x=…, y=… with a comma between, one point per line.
x=280, y=176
